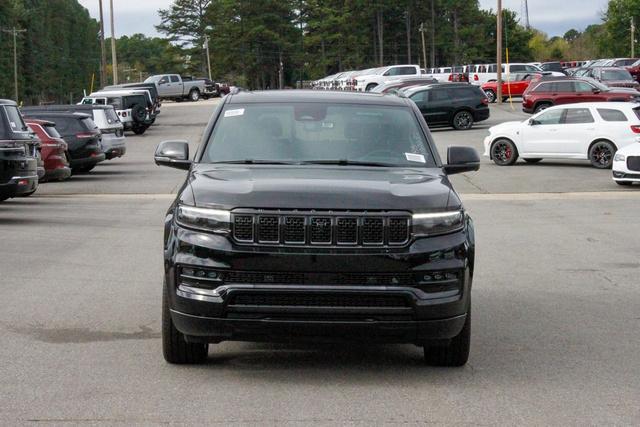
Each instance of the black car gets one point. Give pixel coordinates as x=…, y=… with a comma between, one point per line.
x=18, y=161
x=552, y=66
x=317, y=216
x=82, y=135
x=459, y=105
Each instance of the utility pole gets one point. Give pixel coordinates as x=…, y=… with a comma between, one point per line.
x=433, y=35
x=206, y=45
x=114, y=59
x=499, y=52
x=633, y=37
x=15, y=32
x=103, y=53
x=424, y=48
x=525, y=13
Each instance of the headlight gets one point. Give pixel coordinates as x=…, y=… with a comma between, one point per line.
x=619, y=157
x=214, y=220
x=430, y=224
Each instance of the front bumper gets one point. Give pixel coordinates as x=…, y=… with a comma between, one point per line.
x=314, y=307
x=620, y=172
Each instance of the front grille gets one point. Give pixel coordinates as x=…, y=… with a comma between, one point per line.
x=312, y=299
x=308, y=278
x=333, y=228
x=633, y=163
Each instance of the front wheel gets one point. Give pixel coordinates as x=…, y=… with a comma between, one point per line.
x=504, y=152
x=601, y=154
x=456, y=352
x=463, y=120
x=174, y=347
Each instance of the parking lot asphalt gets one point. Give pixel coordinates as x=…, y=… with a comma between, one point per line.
x=555, y=305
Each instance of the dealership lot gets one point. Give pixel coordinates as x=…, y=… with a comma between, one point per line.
x=556, y=302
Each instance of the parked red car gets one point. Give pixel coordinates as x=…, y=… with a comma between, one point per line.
x=53, y=150
x=515, y=86
x=634, y=70
x=550, y=91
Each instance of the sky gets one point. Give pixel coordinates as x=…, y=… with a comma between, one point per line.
x=554, y=17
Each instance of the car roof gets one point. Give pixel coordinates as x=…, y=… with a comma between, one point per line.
x=118, y=93
x=8, y=102
x=39, y=121
x=69, y=107
x=615, y=104
x=59, y=114
x=297, y=95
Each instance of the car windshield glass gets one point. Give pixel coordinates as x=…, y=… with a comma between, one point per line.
x=312, y=132
x=615, y=75
x=51, y=131
x=15, y=119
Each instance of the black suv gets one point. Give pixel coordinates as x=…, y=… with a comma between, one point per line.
x=18, y=161
x=81, y=134
x=451, y=104
x=317, y=216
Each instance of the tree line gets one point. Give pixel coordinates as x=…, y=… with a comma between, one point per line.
x=274, y=43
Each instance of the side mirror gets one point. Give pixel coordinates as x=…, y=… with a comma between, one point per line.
x=461, y=159
x=595, y=90
x=174, y=154
x=533, y=122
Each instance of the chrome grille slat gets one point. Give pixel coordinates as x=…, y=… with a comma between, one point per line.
x=321, y=228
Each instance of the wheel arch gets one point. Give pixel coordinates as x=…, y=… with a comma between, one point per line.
x=498, y=138
x=600, y=139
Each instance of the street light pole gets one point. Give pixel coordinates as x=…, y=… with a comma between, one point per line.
x=114, y=59
x=15, y=32
x=499, y=53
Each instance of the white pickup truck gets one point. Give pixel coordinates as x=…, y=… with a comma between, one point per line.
x=173, y=86
x=366, y=82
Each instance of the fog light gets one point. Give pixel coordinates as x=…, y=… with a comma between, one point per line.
x=451, y=276
x=188, y=271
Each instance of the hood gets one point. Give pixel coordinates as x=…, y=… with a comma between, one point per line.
x=504, y=126
x=318, y=187
x=625, y=90
x=622, y=83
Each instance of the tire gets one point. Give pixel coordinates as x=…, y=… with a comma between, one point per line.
x=139, y=113
x=139, y=129
x=194, y=95
x=174, y=347
x=541, y=106
x=491, y=95
x=456, y=352
x=625, y=183
x=462, y=120
x=532, y=160
x=370, y=86
x=601, y=154
x=504, y=152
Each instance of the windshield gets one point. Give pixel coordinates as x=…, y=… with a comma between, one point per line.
x=318, y=132
x=15, y=119
x=609, y=75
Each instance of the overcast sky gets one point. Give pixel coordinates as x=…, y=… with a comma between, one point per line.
x=554, y=17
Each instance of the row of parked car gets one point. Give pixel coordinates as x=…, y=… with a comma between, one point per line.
x=52, y=142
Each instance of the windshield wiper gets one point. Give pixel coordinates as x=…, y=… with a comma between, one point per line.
x=256, y=162
x=345, y=162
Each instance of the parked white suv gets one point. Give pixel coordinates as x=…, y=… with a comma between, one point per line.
x=367, y=82
x=489, y=72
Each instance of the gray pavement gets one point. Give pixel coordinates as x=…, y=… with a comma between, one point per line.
x=555, y=306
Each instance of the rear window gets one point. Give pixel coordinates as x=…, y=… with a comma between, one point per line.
x=51, y=131
x=130, y=101
x=609, y=75
x=609, y=115
x=67, y=125
x=88, y=124
x=16, y=124
x=112, y=117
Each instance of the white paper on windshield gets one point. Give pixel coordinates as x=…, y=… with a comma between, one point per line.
x=415, y=157
x=13, y=124
x=234, y=113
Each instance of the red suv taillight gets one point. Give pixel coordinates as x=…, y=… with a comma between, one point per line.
x=635, y=129
x=475, y=77
x=85, y=135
